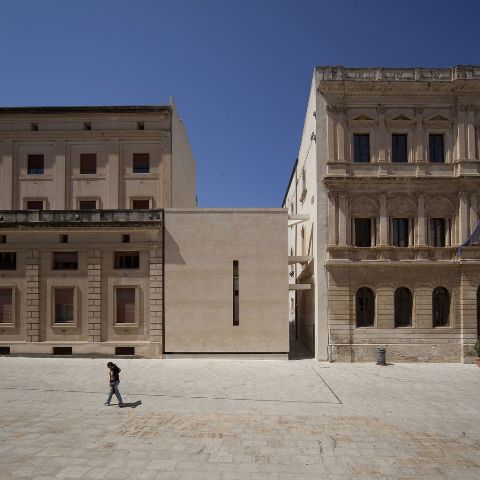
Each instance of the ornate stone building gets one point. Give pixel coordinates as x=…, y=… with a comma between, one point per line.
x=386, y=185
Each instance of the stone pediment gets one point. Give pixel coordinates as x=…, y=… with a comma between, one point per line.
x=362, y=117
x=439, y=118
x=400, y=118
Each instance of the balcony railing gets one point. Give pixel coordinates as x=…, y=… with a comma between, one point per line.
x=79, y=217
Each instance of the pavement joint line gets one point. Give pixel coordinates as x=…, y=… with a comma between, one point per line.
x=328, y=386
x=193, y=397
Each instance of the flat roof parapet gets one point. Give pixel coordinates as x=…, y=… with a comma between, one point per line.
x=80, y=218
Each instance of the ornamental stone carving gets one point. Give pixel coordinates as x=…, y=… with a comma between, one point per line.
x=439, y=206
x=401, y=207
x=363, y=206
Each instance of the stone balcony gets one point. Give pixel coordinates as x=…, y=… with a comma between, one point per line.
x=80, y=218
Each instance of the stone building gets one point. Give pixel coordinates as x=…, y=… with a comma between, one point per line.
x=386, y=185
x=103, y=251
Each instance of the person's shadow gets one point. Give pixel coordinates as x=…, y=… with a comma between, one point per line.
x=132, y=405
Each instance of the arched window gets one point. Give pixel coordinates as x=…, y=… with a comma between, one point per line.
x=403, y=307
x=440, y=307
x=365, y=307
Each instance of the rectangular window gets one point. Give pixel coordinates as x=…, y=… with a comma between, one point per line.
x=363, y=232
x=63, y=238
x=236, y=291
x=65, y=260
x=88, y=163
x=63, y=299
x=35, y=205
x=126, y=238
x=399, y=148
x=127, y=260
x=125, y=305
x=6, y=305
x=141, y=163
x=35, y=165
x=87, y=204
x=143, y=204
x=436, y=148
x=437, y=232
x=361, y=148
x=8, y=260
x=3, y=239
x=400, y=232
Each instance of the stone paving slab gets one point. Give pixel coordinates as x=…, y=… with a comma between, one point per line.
x=234, y=419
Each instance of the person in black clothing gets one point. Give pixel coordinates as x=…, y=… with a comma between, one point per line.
x=114, y=377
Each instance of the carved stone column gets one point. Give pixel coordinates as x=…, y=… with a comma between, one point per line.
x=473, y=213
x=331, y=121
x=421, y=221
x=383, y=220
x=32, y=307
x=342, y=219
x=341, y=130
x=382, y=133
x=420, y=150
x=332, y=220
x=462, y=217
x=461, y=109
x=472, y=155
x=6, y=175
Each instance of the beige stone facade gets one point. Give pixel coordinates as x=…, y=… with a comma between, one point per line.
x=388, y=175
x=102, y=251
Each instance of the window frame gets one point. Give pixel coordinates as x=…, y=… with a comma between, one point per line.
x=443, y=151
x=13, y=289
x=63, y=325
x=369, y=157
x=141, y=199
x=449, y=307
x=373, y=314
x=84, y=155
x=393, y=222
x=63, y=252
x=432, y=232
x=136, y=323
x=131, y=253
x=373, y=235
x=30, y=157
x=396, y=135
x=133, y=163
x=397, y=323
x=80, y=200
x=11, y=269
x=26, y=201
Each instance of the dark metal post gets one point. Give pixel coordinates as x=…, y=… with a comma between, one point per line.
x=381, y=356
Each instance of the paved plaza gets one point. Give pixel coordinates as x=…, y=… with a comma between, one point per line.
x=238, y=419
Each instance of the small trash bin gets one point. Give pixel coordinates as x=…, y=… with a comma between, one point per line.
x=381, y=356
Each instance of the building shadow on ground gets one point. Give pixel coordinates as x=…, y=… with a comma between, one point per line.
x=132, y=404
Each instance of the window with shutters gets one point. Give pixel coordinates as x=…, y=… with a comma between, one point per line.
x=8, y=260
x=437, y=233
x=64, y=302
x=403, y=307
x=365, y=307
x=363, y=232
x=35, y=164
x=7, y=306
x=436, y=150
x=126, y=305
x=400, y=232
x=88, y=163
x=65, y=260
x=440, y=307
x=361, y=148
x=127, y=260
x=141, y=163
x=399, y=148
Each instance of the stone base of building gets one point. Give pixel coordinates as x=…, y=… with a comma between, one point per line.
x=83, y=349
x=446, y=353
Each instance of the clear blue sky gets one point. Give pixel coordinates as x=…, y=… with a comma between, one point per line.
x=239, y=70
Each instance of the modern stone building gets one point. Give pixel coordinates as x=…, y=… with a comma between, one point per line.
x=103, y=251
x=386, y=184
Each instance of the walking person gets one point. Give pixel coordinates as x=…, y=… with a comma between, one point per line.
x=114, y=376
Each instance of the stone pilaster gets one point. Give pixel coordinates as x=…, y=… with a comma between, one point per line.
x=461, y=109
x=342, y=219
x=382, y=134
x=383, y=220
x=421, y=221
x=420, y=150
x=32, y=308
x=473, y=212
x=6, y=175
x=331, y=121
x=332, y=222
x=94, y=295
x=462, y=218
x=156, y=295
x=472, y=154
x=341, y=129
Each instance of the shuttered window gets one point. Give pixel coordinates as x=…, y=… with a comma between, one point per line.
x=143, y=204
x=65, y=260
x=436, y=148
x=35, y=205
x=6, y=305
x=125, y=305
x=87, y=205
x=88, y=163
x=127, y=260
x=8, y=260
x=361, y=148
x=399, y=148
x=141, y=163
x=64, y=305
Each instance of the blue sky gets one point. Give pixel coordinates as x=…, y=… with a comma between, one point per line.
x=239, y=70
